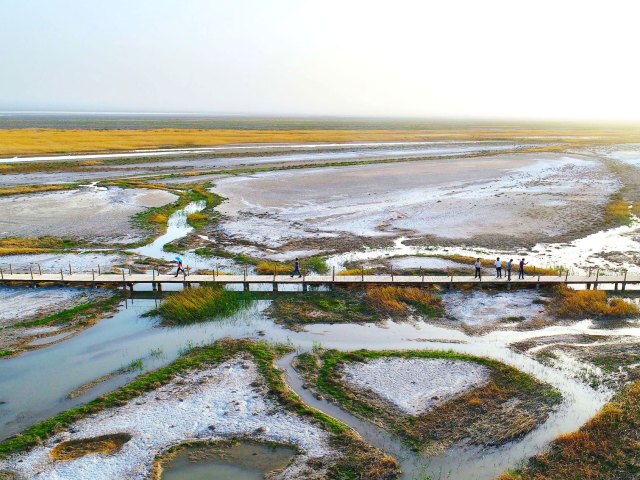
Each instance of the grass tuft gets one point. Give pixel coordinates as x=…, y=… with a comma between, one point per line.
x=197, y=304
x=568, y=303
x=104, y=445
x=307, y=265
x=198, y=219
x=399, y=299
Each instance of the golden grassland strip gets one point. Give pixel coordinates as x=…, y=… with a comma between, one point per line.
x=32, y=245
x=606, y=448
x=52, y=141
x=26, y=189
x=357, y=460
x=74, y=165
x=508, y=406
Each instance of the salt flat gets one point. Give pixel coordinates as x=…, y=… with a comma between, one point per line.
x=415, y=385
x=526, y=197
x=214, y=403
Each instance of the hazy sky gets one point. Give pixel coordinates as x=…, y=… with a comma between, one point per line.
x=535, y=59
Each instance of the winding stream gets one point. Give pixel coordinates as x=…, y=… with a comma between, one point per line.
x=35, y=384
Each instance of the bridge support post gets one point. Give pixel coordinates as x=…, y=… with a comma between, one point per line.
x=246, y=286
x=154, y=286
x=508, y=285
x=304, y=286
x=275, y=286
x=615, y=286
x=588, y=286
x=159, y=287
x=131, y=287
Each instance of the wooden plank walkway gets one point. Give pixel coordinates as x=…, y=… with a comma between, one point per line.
x=156, y=280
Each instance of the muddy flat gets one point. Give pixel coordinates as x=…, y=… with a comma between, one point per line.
x=526, y=197
x=96, y=214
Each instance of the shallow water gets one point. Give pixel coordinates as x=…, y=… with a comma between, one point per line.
x=244, y=461
x=35, y=385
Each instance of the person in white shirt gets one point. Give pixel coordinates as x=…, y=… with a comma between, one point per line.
x=478, y=266
x=498, y=268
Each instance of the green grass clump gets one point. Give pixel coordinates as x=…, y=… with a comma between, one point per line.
x=205, y=303
x=5, y=353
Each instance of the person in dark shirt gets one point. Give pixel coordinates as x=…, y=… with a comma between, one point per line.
x=296, y=270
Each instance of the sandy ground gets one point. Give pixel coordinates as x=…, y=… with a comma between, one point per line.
x=20, y=304
x=489, y=199
x=216, y=403
x=91, y=213
x=53, y=262
x=479, y=308
x=415, y=385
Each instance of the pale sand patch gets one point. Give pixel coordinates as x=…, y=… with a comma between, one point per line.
x=415, y=385
x=217, y=403
x=96, y=214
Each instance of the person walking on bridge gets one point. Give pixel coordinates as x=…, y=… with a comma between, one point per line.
x=509, y=267
x=180, y=268
x=478, y=266
x=521, y=272
x=498, y=268
x=296, y=270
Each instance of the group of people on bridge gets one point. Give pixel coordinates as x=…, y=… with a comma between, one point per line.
x=500, y=266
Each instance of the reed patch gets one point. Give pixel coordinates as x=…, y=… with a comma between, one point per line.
x=199, y=304
x=569, y=303
x=605, y=448
x=354, y=305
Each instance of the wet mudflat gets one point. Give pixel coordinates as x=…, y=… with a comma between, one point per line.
x=275, y=209
x=537, y=197
x=91, y=213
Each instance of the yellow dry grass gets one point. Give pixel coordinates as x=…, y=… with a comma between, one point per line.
x=159, y=218
x=570, y=303
x=398, y=299
x=104, y=444
x=352, y=272
x=268, y=268
x=618, y=212
x=605, y=448
x=24, y=189
x=40, y=141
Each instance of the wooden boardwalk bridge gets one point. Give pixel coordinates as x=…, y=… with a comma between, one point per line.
x=156, y=280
